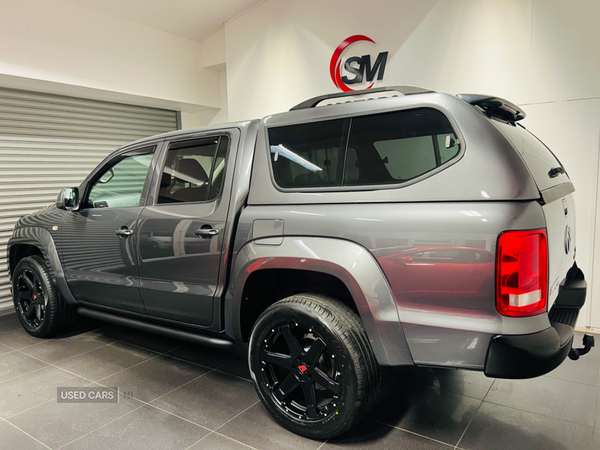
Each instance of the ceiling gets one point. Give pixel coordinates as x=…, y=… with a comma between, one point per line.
x=192, y=19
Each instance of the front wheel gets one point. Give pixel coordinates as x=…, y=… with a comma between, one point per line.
x=312, y=365
x=40, y=309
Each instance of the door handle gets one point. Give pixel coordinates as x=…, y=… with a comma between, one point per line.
x=206, y=233
x=124, y=232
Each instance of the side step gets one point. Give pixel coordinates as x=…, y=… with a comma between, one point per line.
x=176, y=333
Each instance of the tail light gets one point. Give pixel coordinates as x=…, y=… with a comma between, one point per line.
x=522, y=273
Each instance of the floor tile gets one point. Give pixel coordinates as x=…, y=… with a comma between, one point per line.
x=56, y=424
x=154, y=342
x=18, y=339
x=258, y=429
x=146, y=428
x=464, y=382
x=596, y=438
x=215, y=441
x=85, y=334
x=33, y=389
x=155, y=377
x=211, y=400
x=560, y=399
x=585, y=370
x=14, y=439
x=371, y=435
x=9, y=322
x=597, y=424
x=113, y=331
x=499, y=428
x=106, y=360
x=5, y=349
x=234, y=361
x=14, y=364
x=54, y=351
x=237, y=367
x=431, y=412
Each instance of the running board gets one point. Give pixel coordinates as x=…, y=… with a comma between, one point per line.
x=176, y=333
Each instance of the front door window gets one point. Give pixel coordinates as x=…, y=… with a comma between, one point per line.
x=121, y=184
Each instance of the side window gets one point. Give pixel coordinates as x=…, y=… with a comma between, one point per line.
x=387, y=148
x=122, y=183
x=193, y=171
x=397, y=147
x=308, y=155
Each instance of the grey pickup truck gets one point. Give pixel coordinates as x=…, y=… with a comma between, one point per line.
x=389, y=227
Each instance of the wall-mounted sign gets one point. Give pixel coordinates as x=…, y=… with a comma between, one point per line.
x=358, y=69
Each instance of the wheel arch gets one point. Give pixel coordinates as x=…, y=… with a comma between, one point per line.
x=29, y=241
x=352, y=270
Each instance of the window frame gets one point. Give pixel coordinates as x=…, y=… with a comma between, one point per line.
x=368, y=187
x=144, y=149
x=160, y=166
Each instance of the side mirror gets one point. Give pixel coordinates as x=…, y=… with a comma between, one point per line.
x=68, y=199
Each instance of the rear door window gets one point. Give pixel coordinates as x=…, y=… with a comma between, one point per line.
x=193, y=171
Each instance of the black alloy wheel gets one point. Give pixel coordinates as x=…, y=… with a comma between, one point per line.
x=31, y=299
x=40, y=309
x=300, y=372
x=312, y=365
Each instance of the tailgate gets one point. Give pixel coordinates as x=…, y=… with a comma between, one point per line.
x=560, y=225
x=558, y=203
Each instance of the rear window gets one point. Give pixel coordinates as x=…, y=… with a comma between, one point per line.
x=379, y=149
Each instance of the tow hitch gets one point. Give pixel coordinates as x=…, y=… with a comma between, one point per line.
x=588, y=343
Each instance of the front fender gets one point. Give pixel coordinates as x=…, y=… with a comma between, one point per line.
x=41, y=238
x=349, y=262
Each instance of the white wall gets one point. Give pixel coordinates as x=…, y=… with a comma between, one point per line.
x=572, y=130
x=65, y=46
x=209, y=116
x=540, y=54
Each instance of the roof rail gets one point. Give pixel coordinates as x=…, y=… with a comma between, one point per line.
x=495, y=107
x=402, y=90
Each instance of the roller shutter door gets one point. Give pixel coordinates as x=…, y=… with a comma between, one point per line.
x=49, y=142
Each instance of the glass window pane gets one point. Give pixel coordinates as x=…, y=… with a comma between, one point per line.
x=308, y=155
x=122, y=184
x=189, y=174
x=397, y=147
x=218, y=175
x=407, y=158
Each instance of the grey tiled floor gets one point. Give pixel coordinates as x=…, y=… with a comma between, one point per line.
x=191, y=397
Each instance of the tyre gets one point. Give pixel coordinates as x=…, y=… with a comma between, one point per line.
x=312, y=365
x=39, y=307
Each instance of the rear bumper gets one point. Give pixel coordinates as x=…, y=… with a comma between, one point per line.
x=532, y=355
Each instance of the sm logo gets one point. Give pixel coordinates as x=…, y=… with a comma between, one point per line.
x=358, y=69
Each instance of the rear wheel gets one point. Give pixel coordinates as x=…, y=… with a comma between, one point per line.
x=312, y=365
x=40, y=309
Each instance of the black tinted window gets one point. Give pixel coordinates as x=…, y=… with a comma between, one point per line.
x=397, y=147
x=193, y=171
x=308, y=155
x=381, y=149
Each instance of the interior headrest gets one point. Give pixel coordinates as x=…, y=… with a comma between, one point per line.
x=191, y=171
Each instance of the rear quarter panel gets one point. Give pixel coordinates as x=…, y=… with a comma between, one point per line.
x=446, y=307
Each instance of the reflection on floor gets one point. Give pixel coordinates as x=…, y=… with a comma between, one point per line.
x=191, y=397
